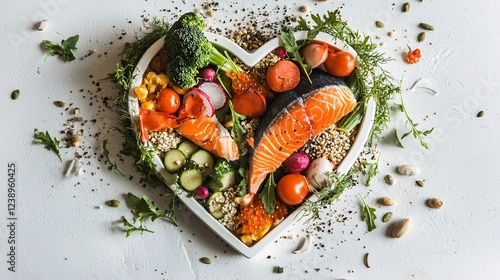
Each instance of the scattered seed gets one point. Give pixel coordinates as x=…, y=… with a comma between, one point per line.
x=15, y=94
x=304, y=9
x=113, y=203
x=76, y=111
x=75, y=139
x=406, y=7
x=408, y=170
x=210, y=13
x=434, y=203
x=278, y=269
x=379, y=24
x=387, y=217
x=480, y=114
x=206, y=260
x=59, y=104
x=391, y=33
x=421, y=36
x=426, y=26
x=366, y=260
x=42, y=24
x=400, y=228
x=389, y=179
x=419, y=183
x=386, y=201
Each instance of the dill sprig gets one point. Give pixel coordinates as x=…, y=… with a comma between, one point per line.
x=369, y=80
x=111, y=164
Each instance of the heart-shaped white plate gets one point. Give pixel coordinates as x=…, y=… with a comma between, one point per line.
x=249, y=59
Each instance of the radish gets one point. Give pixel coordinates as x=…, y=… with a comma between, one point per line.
x=215, y=92
x=207, y=74
x=207, y=103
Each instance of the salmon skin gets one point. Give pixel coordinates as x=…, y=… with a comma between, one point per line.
x=293, y=117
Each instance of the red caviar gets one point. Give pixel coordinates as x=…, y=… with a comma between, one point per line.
x=413, y=57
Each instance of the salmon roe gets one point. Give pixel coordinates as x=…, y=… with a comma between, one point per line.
x=245, y=81
x=256, y=222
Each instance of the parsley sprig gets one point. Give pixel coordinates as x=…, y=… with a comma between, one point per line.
x=293, y=49
x=51, y=144
x=418, y=134
x=111, y=164
x=65, y=49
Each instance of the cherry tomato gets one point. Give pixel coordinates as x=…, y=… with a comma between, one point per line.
x=339, y=63
x=168, y=101
x=292, y=189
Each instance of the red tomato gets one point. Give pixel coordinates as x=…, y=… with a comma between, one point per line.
x=168, y=101
x=339, y=63
x=292, y=189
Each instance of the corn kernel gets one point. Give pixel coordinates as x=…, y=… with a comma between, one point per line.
x=179, y=90
x=162, y=80
x=151, y=88
x=150, y=78
x=149, y=105
x=141, y=92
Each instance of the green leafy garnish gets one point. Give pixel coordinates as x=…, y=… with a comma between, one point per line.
x=293, y=50
x=107, y=160
x=267, y=195
x=368, y=215
x=398, y=140
x=370, y=169
x=242, y=182
x=143, y=208
x=65, y=49
x=417, y=134
x=51, y=144
x=334, y=186
x=237, y=130
x=368, y=81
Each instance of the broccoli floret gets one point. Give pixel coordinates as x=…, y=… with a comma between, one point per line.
x=187, y=50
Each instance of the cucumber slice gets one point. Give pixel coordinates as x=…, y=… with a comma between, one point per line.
x=191, y=179
x=214, y=207
x=174, y=160
x=188, y=148
x=205, y=160
x=227, y=180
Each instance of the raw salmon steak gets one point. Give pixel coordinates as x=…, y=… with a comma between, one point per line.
x=294, y=117
x=209, y=134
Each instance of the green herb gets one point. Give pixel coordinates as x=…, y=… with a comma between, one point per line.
x=335, y=185
x=398, y=140
x=370, y=169
x=237, y=130
x=143, y=208
x=107, y=160
x=65, y=49
x=293, y=49
x=413, y=126
x=267, y=195
x=369, y=80
x=242, y=185
x=51, y=144
x=368, y=215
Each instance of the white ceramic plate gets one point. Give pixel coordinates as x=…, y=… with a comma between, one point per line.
x=249, y=59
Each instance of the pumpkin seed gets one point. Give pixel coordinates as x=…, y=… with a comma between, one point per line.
x=421, y=36
x=59, y=104
x=434, y=203
x=113, y=203
x=480, y=114
x=389, y=179
x=15, y=94
x=420, y=183
x=366, y=260
x=206, y=260
x=400, y=228
x=379, y=24
x=406, y=7
x=426, y=26
x=387, y=217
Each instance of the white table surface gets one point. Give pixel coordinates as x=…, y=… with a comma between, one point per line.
x=60, y=234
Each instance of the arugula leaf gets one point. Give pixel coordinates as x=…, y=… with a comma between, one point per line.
x=293, y=49
x=417, y=134
x=236, y=130
x=65, y=49
x=398, y=140
x=267, y=195
x=243, y=182
x=143, y=208
x=51, y=144
x=368, y=215
x=107, y=160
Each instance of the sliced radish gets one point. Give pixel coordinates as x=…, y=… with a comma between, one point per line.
x=215, y=92
x=208, y=106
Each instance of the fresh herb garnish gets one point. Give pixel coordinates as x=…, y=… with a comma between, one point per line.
x=143, y=208
x=107, y=160
x=65, y=49
x=51, y=144
x=293, y=49
x=237, y=130
x=368, y=215
x=335, y=185
x=242, y=185
x=370, y=169
x=368, y=81
x=398, y=140
x=267, y=195
x=417, y=134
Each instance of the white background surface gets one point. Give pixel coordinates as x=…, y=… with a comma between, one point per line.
x=60, y=234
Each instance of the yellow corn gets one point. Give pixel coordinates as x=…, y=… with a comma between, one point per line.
x=162, y=80
x=151, y=88
x=150, y=78
x=149, y=105
x=179, y=90
x=141, y=92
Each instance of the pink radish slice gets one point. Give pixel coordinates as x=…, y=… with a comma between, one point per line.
x=215, y=93
x=207, y=104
